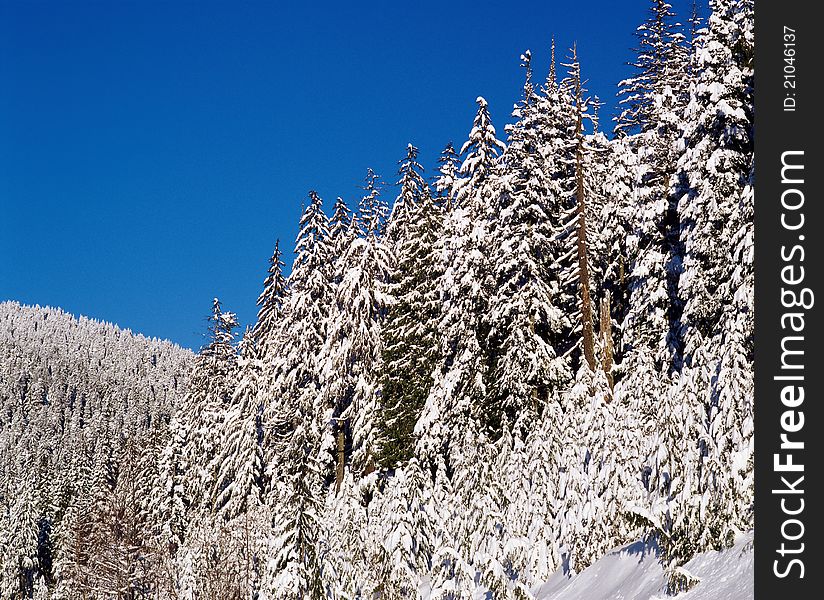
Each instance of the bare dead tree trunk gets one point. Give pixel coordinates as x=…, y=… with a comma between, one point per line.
x=340, y=438
x=606, y=340
x=583, y=262
x=248, y=549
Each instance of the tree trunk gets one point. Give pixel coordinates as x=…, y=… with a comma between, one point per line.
x=340, y=438
x=606, y=340
x=583, y=263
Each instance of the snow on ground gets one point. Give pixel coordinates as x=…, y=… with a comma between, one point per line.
x=726, y=575
x=634, y=573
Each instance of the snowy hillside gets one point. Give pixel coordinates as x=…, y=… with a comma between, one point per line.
x=635, y=573
x=82, y=403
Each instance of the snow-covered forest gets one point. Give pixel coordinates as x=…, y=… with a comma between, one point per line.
x=466, y=383
x=84, y=410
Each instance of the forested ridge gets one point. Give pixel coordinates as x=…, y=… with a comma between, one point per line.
x=540, y=353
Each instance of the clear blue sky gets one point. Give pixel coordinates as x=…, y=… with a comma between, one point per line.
x=151, y=152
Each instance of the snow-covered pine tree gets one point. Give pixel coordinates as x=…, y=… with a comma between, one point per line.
x=523, y=318
x=372, y=210
x=292, y=378
x=715, y=174
x=446, y=569
x=413, y=188
x=241, y=472
x=170, y=503
x=715, y=177
x=410, y=332
x=473, y=516
x=208, y=397
x=407, y=521
x=455, y=399
x=343, y=227
x=482, y=149
x=448, y=169
x=655, y=100
x=20, y=556
x=661, y=58
x=574, y=86
x=292, y=424
x=294, y=566
x=650, y=345
x=555, y=122
x=266, y=332
x=352, y=351
x=534, y=516
x=352, y=530
x=599, y=473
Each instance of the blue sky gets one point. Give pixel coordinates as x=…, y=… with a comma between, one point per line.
x=151, y=152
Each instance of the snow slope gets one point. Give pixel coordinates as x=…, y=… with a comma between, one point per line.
x=634, y=573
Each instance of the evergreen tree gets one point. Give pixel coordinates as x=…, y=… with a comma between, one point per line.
x=208, y=397
x=266, y=331
x=448, y=172
x=372, y=210
x=659, y=65
x=465, y=287
x=172, y=500
x=582, y=239
x=716, y=284
x=292, y=379
x=413, y=188
x=294, y=567
x=523, y=316
x=342, y=229
x=293, y=419
x=241, y=472
x=410, y=333
x=406, y=550
x=555, y=123
x=353, y=349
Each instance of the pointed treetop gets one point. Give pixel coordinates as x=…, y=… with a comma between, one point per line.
x=314, y=225
x=341, y=225
x=372, y=209
x=449, y=165
x=573, y=81
x=661, y=68
x=273, y=280
x=313, y=210
x=482, y=143
x=221, y=326
x=482, y=151
x=312, y=244
x=271, y=298
x=413, y=185
x=526, y=63
x=413, y=188
x=410, y=163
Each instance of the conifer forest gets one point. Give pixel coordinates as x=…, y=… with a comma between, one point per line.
x=498, y=369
